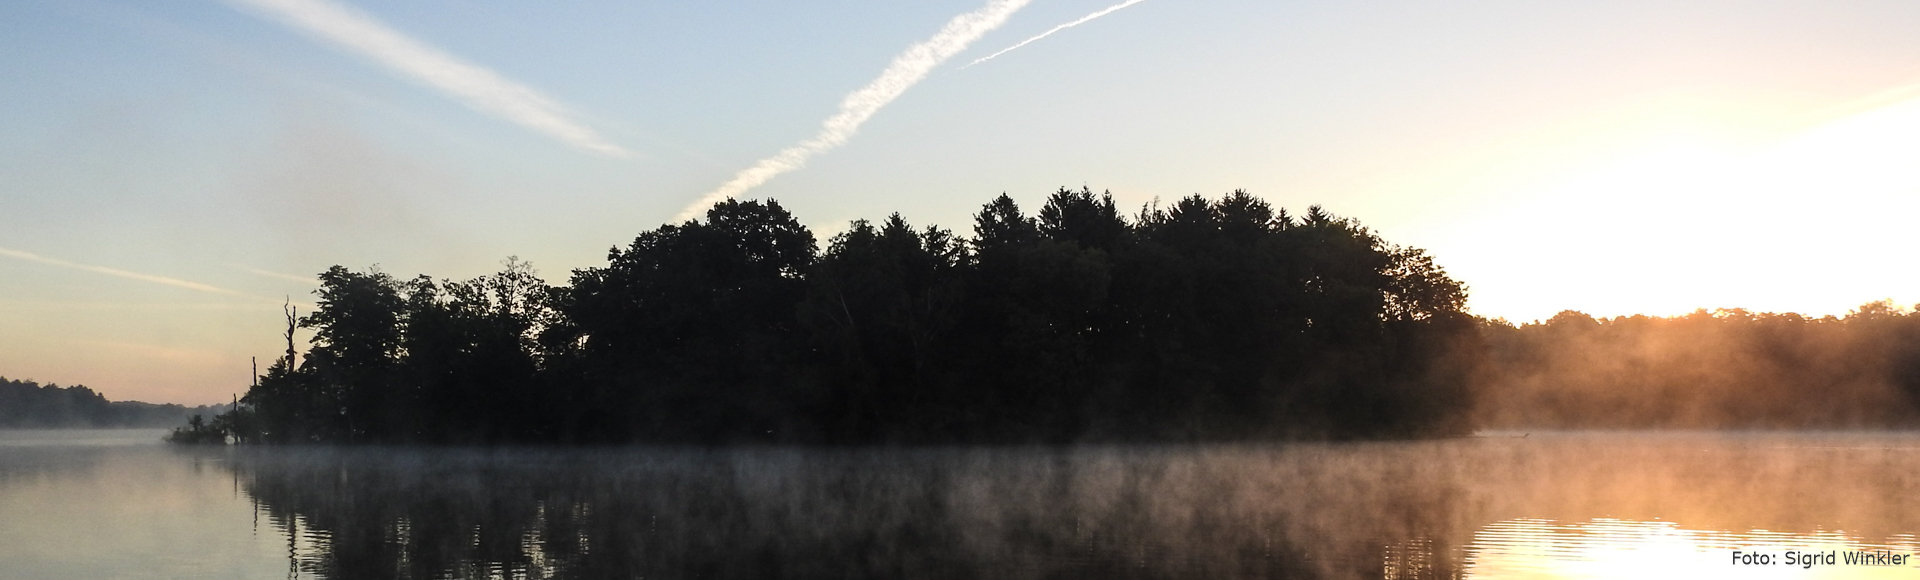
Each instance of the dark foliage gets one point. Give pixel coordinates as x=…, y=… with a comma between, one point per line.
x=1217, y=319
x=198, y=431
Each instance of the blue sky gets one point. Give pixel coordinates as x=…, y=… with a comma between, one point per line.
x=1615, y=157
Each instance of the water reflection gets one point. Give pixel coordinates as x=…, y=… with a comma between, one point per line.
x=763, y=514
x=1609, y=548
x=1566, y=506
x=118, y=504
x=35, y=455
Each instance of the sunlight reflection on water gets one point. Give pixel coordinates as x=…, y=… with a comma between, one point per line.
x=1608, y=548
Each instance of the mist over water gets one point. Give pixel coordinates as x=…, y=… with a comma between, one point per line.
x=1724, y=369
x=1532, y=505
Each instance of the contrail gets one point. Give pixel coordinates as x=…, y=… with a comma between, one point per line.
x=907, y=68
x=308, y=280
x=478, y=87
x=1083, y=19
x=175, y=282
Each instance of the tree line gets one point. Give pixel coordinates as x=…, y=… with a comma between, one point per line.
x=31, y=405
x=1208, y=319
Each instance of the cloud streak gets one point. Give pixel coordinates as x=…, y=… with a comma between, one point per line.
x=1082, y=20
x=907, y=69
x=479, y=88
x=163, y=280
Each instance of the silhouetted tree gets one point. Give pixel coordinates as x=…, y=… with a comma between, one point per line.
x=882, y=308
x=689, y=334
x=471, y=369
x=1035, y=310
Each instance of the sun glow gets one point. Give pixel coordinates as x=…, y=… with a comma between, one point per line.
x=1815, y=222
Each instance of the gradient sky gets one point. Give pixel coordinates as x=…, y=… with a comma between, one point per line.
x=170, y=169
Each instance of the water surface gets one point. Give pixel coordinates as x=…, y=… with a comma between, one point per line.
x=1570, y=505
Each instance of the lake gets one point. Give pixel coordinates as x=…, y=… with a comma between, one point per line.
x=118, y=504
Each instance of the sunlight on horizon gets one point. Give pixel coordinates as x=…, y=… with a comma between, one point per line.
x=1811, y=223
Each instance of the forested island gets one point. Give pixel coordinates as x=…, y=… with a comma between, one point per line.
x=31, y=405
x=1206, y=320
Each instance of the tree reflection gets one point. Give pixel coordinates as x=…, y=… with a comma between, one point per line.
x=364, y=513
x=1443, y=509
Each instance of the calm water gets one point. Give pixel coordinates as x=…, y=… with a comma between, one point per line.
x=117, y=504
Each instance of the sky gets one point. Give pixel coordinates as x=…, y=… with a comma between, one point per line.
x=172, y=171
